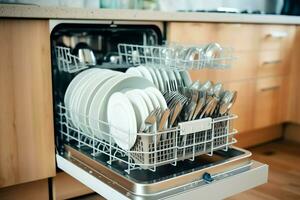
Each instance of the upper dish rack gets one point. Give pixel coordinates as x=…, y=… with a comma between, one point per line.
x=176, y=56
x=67, y=62
x=180, y=57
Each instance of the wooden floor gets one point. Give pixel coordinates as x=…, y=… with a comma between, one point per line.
x=283, y=159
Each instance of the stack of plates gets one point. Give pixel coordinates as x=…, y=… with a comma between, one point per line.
x=127, y=111
x=163, y=79
x=101, y=102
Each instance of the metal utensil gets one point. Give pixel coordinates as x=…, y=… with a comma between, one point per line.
x=150, y=120
x=86, y=56
x=200, y=105
x=163, y=120
x=225, y=107
x=212, y=52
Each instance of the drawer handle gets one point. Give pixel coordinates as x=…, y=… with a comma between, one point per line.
x=271, y=62
x=270, y=88
x=277, y=34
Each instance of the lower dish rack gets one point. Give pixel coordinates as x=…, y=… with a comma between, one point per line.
x=186, y=141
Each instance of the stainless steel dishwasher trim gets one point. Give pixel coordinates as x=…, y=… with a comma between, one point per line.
x=54, y=22
x=228, y=184
x=145, y=189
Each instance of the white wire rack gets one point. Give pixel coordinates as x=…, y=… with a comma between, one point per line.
x=68, y=62
x=151, y=150
x=176, y=56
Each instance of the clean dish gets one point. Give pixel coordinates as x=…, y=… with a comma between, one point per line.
x=72, y=86
x=166, y=79
x=153, y=98
x=178, y=78
x=146, y=74
x=160, y=80
x=146, y=98
x=153, y=75
x=159, y=96
x=75, y=81
x=134, y=71
x=140, y=108
x=122, y=120
x=84, y=102
x=173, y=80
x=187, y=81
x=98, y=108
x=77, y=92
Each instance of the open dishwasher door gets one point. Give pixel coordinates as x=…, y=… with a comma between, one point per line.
x=193, y=160
x=220, y=177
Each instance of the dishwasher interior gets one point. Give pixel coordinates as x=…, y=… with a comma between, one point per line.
x=191, y=154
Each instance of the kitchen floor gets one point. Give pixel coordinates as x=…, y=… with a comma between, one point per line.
x=283, y=158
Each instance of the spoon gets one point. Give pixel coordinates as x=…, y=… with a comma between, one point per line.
x=226, y=106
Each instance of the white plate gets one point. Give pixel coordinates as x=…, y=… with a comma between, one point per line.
x=146, y=74
x=73, y=84
x=153, y=75
x=159, y=79
x=75, y=81
x=134, y=71
x=172, y=78
x=85, y=100
x=178, y=78
x=166, y=80
x=187, y=81
x=98, y=109
x=140, y=108
x=121, y=117
x=159, y=96
x=146, y=98
x=76, y=94
x=153, y=98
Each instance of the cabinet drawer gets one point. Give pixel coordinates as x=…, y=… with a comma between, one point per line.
x=243, y=68
x=271, y=63
x=268, y=99
x=275, y=37
x=225, y=34
x=240, y=37
x=191, y=33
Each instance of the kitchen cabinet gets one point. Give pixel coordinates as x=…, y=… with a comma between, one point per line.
x=26, y=117
x=66, y=187
x=260, y=74
x=276, y=37
x=245, y=104
x=225, y=34
x=258, y=136
x=36, y=190
x=294, y=86
x=268, y=101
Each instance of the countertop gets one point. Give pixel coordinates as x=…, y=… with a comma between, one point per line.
x=33, y=11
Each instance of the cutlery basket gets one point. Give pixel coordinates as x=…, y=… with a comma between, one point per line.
x=151, y=150
x=170, y=146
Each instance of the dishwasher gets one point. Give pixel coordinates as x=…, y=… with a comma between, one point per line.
x=194, y=159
